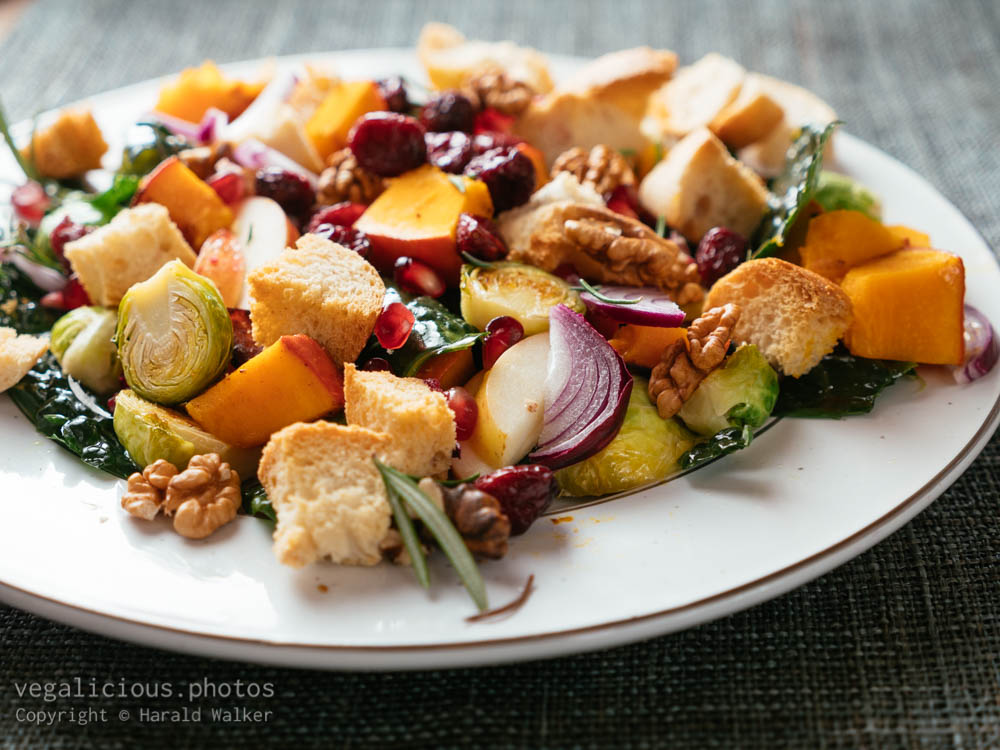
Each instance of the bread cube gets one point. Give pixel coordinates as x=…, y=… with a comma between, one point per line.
x=696, y=95
x=793, y=316
x=328, y=495
x=699, y=186
x=70, y=146
x=420, y=426
x=320, y=289
x=751, y=116
x=133, y=247
x=18, y=354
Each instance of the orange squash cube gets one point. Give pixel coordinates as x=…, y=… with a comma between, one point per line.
x=194, y=207
x=908, y=237
x=449, y=369
x=292, y=380
x=416, y=217
x=198, y=89
x=836, y=241
x=908, y=306
x=643, y=345
x=331, y=122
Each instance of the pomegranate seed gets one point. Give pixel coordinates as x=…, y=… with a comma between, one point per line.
x=449, y=152
x=508, y=173
x=465, y=409
x=387, y=143
x=477, y=236
x=66, y=231
x=393, y=92
x=393, y=325
x=417, y=278
x=524, y=492
x=434, y=384
x=112, y=401
x=719, y=252
x=70, y=297
x=619, y=201
x=349, y=237
x=341, y=214
x=501, y=334
x=289, y=190
x=30, y=202
x=448, y=110
x=230, y=186
x=376, y=364
x=493, y=121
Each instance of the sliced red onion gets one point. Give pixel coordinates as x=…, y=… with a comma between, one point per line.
x=46, y=278
x=187, y=130
x=255, y=155
x=212, y=125
x=981, y=348
x=586, y=392
x=654, y=307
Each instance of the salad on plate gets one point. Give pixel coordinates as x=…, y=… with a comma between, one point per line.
x=389, y=319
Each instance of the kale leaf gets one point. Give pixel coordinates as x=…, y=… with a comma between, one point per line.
x=256, y=502
x=721, y=443
x=19, y=303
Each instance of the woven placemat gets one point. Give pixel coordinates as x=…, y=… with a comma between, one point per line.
x=899, y=648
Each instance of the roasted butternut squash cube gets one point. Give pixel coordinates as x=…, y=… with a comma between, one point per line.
x=643, y=345
x=331, y=122
x=416, y=217
x=194, y=207
x=198, y=89
x=292, y=380
x=908, y=237
x=908, y=306
x=449, y=369
x=836, y=241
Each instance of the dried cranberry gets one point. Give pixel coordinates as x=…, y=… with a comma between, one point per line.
x=501, y=334
x=349, y=237
x=393, y=91
x=449, y=110
x=66, y=231
x=376, y=364
x=524, y=492
x=719, y=252
x=30, y=202
x=244, y=347
x=341, y=214
x=393, y=325
x=417, y=278
x=449, y=152
x=508, y=173
x=230, y=186
x=70, y=297
x=466, y=411
x=289, y=190
x=493, y=120
x=483, y=142
x=477, y=236
x=387, y=143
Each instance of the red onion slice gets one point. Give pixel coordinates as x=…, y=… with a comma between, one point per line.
x=981, y=347
x=187, y=130
x=586, y=391
x=44, y=277
x=255, y=155
x=654, y=307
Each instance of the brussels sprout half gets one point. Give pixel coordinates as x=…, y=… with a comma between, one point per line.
x=523, y=292
x=741, y=392
x=837, y=192
x=174, y=334
x=83, y=343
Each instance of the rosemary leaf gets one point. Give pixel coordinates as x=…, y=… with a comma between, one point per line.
x=585, y=286
x=661, y=225
x=405, y=526
x=478, y=262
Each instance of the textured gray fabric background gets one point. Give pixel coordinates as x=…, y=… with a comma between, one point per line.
x=900, y=648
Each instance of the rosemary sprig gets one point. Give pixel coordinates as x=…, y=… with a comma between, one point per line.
x=585, y=286
x=28, y=168
x=411, y=497
x=661, y=225
x=457, y=482
x=477, y=262
x=405, y=526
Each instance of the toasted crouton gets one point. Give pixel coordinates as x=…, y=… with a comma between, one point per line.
x=320, y=289
x=133, y=247
x=699, y=186
x=327, y=493
x=793, y=316
x=70, y=146
x=751, y=116
x=18, y=354
x=696, y=94
x=450, y=59
x=420, y=425
x=625, y=78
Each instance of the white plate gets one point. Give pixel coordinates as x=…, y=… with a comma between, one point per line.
x=804, y=498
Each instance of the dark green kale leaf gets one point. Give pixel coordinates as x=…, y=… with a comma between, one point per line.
x=436, y=330
x=45, y=397
x=117, y=197
x=792, y=190
x=19, y=303
x=146, y=145
x=256, y=502
x=839, y=386
x=720, y=444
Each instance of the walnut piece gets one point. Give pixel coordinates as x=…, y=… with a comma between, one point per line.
x=478, y=518
x=494, y=89
x=603, y=168
x=202, y=160
x=631, y=253
x=686, y=362
x=345, y=180
x=143, y=496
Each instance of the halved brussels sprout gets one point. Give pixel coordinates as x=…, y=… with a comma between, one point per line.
x=150, y=432
x=646, y=449
x=174, y=334
x=836, y=192
x=83, y=344
x=522, y=292
x=741, y=392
